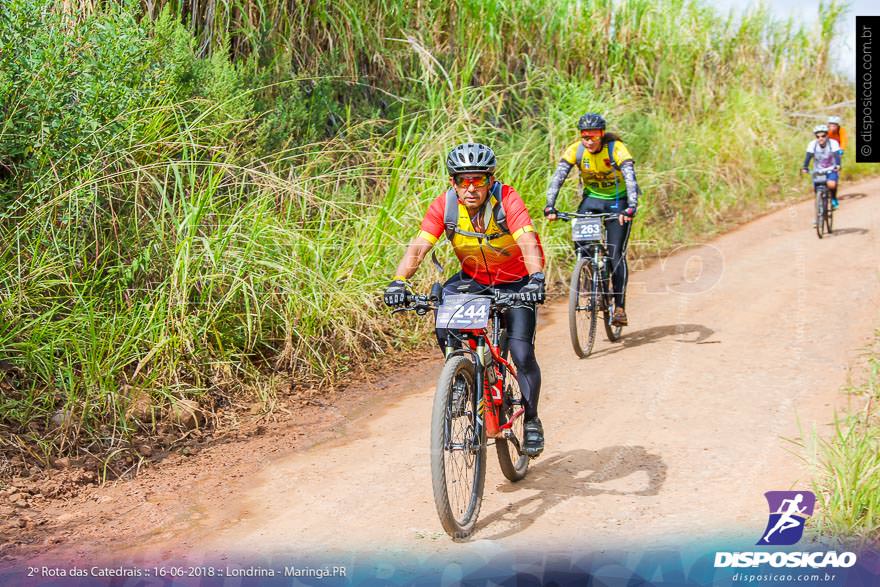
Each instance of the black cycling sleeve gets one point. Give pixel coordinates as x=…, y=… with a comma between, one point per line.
x=557, y=180
x=807, y=160
x=837, y=158
x=628, y=170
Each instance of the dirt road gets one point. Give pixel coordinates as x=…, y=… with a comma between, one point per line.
x=735, y=348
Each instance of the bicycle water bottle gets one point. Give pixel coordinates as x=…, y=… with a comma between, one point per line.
x=491, y=376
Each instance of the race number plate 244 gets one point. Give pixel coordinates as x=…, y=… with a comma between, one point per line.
x=461, y=311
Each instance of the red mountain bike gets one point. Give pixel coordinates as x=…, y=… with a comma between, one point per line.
x=477, y=398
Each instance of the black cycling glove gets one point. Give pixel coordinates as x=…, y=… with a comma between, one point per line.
x=534, y=291
x=395, y=293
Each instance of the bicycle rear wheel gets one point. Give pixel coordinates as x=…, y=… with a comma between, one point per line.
x=514, y=464
x=583, y=310
x=458, y=457
x=611, y=331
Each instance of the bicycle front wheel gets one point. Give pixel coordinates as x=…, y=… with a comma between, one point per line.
x=583, y=310
x=458, y=456
x=829, y=212
x=820, y=212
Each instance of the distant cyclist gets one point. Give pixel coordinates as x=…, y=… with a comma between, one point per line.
x=825, y=154
x=608, y=175
x=494, y=239
x=837, y=132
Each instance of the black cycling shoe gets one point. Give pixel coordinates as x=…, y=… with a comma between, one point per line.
x=534, y=438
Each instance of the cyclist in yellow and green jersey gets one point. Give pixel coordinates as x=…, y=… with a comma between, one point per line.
x=608, y=175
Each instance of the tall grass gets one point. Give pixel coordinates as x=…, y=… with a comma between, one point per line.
x=848, y=485
x=230, y=208
x=677, y=49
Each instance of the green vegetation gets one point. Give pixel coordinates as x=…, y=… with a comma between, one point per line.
x=848, y=486
x=199, y=200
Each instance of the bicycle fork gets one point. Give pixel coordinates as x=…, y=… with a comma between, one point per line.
x=481, y=413
x=599, y=285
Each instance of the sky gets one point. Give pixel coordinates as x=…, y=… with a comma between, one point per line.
x=807, y=11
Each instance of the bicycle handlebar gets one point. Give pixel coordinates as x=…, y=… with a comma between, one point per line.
x=422, y=303
x=573, y=215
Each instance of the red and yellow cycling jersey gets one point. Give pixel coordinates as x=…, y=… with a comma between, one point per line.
x=487, y=262
x=597, y=173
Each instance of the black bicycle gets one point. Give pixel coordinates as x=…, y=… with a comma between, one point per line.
x=477, y=398
x=590, y=291
x=824, y=208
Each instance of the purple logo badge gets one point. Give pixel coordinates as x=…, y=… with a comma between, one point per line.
x=789, y=511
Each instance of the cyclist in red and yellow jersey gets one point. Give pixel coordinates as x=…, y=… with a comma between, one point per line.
x=496, y=243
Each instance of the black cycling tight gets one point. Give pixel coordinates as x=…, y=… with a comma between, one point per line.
x=528, y=374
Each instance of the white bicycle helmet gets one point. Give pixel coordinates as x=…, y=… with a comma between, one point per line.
x=820, y=128
x=834, y=120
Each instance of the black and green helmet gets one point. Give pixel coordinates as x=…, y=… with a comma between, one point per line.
x=591, y=121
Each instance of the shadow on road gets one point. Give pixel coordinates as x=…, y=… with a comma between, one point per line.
x=844, y=231
x=856, y=196
x=576, y=473
x=682, y=332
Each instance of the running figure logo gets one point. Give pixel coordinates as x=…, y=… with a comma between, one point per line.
x=788, y=513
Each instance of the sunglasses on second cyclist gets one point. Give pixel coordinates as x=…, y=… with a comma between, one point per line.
x=591, y=134
x=478, y=182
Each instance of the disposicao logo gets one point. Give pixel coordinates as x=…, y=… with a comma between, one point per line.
x=789, y=511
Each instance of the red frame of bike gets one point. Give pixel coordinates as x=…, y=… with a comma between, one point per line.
x=493, y=396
